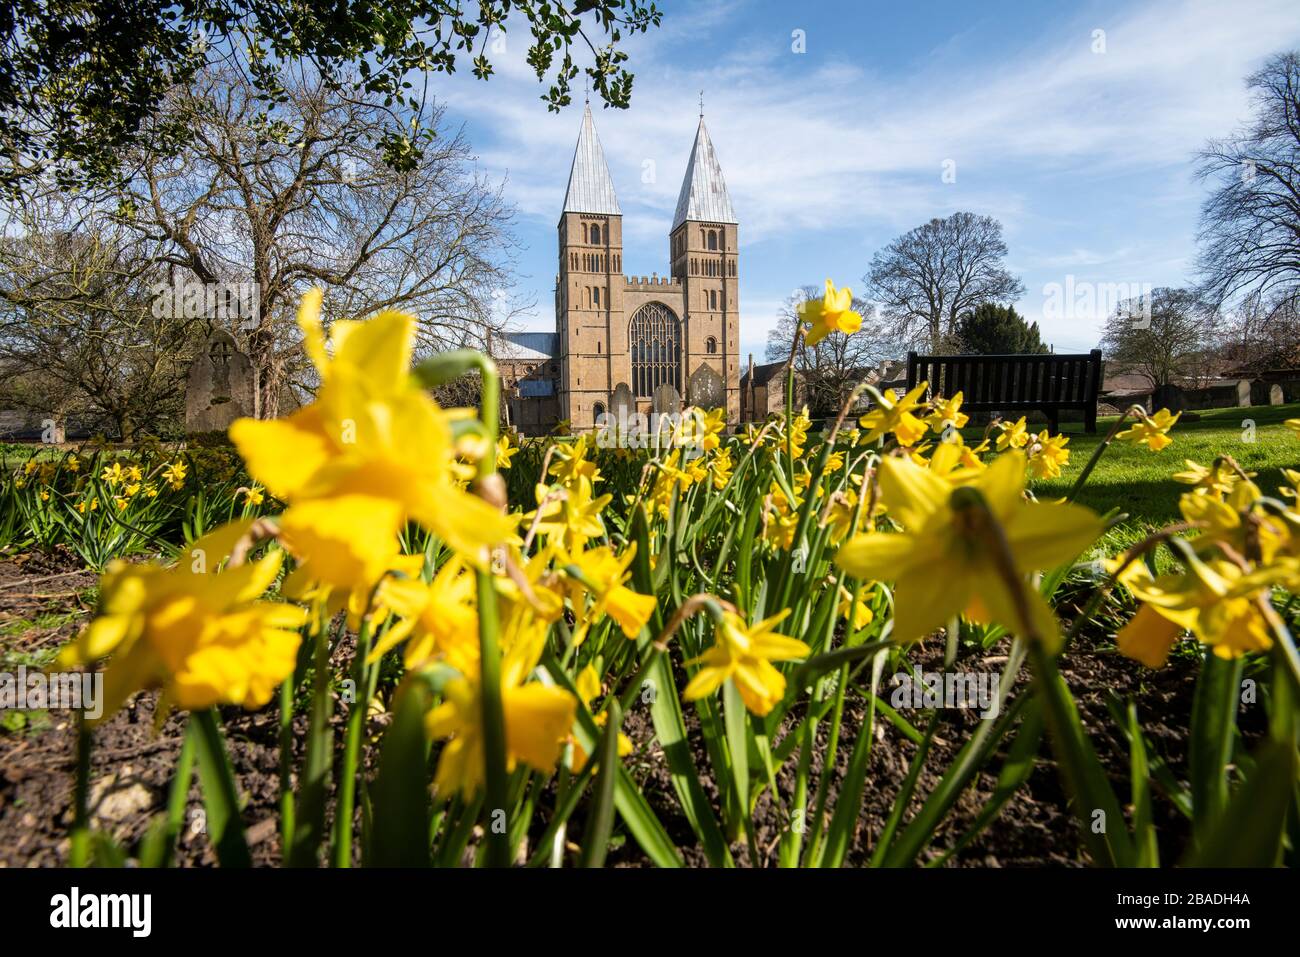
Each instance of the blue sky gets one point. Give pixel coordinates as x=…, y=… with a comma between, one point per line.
x=1080, y=143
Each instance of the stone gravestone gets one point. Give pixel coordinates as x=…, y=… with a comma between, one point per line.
x=704, y=389
x=621, y=403
x=666, y=400
x=1243, y=393
x=1169, y=397
x=1259, y=392
x=220, y=386
x=1275, y=394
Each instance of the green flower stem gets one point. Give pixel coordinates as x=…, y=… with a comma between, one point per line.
x=352, y=750
x=179, y=796
x=1096, y=455
x=79, y=855
x=494, y=727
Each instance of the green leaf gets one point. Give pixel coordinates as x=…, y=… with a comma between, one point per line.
x=1209, y=749
x=595, y=839
x=220, y=795
x=1249, y=833
x=1101, y=821
x=400, y=836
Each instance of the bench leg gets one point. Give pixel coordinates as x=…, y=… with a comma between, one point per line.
x=1090, y=420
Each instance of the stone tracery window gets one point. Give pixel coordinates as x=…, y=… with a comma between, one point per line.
x=656, y=345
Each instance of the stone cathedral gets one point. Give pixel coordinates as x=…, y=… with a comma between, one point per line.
x=627, y=344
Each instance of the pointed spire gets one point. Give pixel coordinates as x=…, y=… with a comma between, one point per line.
x=704, y=191
x=590, y=188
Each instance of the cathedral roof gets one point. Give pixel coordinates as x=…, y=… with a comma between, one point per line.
x=590, y=188
x=525, y=345
x=704, y=191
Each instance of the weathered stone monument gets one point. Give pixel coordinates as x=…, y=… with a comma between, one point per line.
x=666, y=400
x=622, y=403
x=220, y=387
x=1168, y=396
x=705, y=389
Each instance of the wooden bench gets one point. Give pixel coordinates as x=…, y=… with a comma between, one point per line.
x=1014, y=384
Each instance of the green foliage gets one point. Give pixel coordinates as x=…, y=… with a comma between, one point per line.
x=82, y=83
x=993, y=330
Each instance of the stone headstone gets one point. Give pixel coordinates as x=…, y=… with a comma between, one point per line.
x=220, y=387
x=1243, y=393
x=622, y=403
x=704, y=389
x=1169, y=397
x=1275, y=394
x=666, y=399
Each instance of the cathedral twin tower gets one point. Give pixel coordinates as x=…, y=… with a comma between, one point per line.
x=619, y=339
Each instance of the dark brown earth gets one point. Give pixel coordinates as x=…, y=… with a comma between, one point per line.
x=43, y=600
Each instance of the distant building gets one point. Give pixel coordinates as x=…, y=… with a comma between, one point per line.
x=640, y=333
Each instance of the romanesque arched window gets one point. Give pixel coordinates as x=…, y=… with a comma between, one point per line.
x=595, y=234
x=711, y=345
x=713, y=239
x=655, y=337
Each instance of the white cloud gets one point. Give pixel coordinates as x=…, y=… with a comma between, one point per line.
x=810, y=146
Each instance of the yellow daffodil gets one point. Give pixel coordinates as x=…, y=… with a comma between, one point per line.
x=1293, y=425
x=799, y=432
x=947, y=412
x=1215, y=600
x=505, y=452
x=1012, y=436
x=720, y=467
x=438, y=618
x=831, y=313
x=72, y=464
x=944, y=562
x=1049, y=455
x=896, y=415
x=253, y=496
x=571, y=464
x=113, y=475
x=744, y=654
x=1217, y=480
x=603, y=574
x=374, y=448
x=196, y=631
x=174, y=475
x=570, y=517
x=1151, y=430
x=780, y=519
x=538, y=717
x=858, y=613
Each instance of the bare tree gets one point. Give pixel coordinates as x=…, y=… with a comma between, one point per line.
x=1168, y=341
x=831, y=368
x=303, y=199
x=1250, y=223
x=1262, y=331
x=78, y=331
x=925, y=279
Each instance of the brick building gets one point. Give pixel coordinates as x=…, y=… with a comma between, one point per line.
x=628, y=336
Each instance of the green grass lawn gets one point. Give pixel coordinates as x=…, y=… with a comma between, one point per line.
x=1140, y=482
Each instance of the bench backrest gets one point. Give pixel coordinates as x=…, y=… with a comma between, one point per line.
x=994, y=383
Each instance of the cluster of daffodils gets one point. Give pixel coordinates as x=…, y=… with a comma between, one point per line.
x=82, y=481
x=1242, y=545
x=524, y=625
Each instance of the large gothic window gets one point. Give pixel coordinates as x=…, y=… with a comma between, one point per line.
x=655, y=337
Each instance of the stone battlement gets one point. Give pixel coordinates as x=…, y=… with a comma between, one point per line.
x=633, y=281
